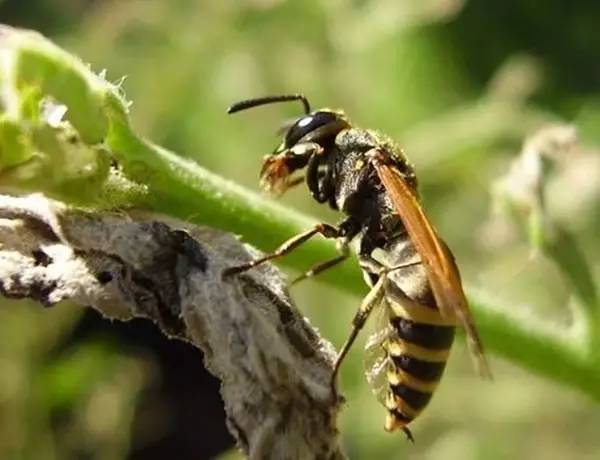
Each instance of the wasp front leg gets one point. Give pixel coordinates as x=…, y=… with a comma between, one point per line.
x=347, y=230
x=328, y=231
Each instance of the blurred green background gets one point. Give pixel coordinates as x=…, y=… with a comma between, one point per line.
x=459, y=84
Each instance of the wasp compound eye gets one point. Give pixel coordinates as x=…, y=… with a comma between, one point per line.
x=308, y=124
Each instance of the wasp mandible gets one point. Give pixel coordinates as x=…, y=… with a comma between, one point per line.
x=414, y=280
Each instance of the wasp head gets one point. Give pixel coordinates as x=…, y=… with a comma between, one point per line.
x=307, y=136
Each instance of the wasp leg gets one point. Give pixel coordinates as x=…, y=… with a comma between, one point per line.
x=298, y=180
x=326, y=230
x=372, y=300
x=408, y=434
x=377, y=268
x=295, y=181
x=321, y=267
x=401, y=266
x=321, y=188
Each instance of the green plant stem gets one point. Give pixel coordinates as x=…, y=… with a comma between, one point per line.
x=182, y=189
x=562, y=248
x=559, y=353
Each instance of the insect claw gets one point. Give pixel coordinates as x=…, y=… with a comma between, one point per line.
x=300, y=278
x=231, y=271
x=408, y=434
x=337, y=396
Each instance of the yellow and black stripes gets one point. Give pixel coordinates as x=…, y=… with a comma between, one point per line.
x=428, y=336
x=417, y=352
x=417, y=340
x=426, y=371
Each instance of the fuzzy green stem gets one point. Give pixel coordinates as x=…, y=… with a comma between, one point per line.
x=562, y=248
x=559, y=353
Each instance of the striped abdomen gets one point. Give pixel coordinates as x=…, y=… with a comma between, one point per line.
x=416, y=340
x=416, y=352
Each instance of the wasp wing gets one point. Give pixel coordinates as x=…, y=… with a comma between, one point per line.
x=442, y=271
x=376, y=355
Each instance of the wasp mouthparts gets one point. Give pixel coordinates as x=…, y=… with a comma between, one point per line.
x=274, y=174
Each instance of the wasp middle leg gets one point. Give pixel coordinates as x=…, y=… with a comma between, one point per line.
x=326, y=265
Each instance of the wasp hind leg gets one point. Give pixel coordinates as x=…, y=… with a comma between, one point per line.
x=408, y=434
x=288, y=246
x=372, y=300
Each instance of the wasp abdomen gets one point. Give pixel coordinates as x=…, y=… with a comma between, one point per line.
x=417, y=354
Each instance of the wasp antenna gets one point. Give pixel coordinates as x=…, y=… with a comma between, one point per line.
x=249, y=103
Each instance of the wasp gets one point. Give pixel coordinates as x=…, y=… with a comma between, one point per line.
x=414, y=280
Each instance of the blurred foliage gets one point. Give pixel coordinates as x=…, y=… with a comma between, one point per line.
x=459, y=84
